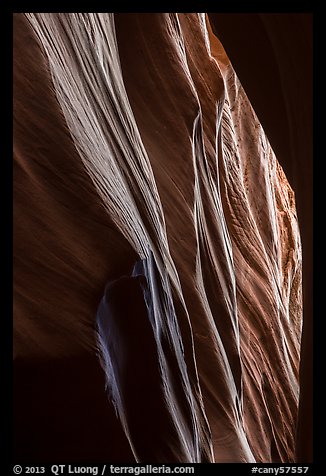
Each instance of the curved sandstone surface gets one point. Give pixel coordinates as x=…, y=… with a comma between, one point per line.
x=157, y=270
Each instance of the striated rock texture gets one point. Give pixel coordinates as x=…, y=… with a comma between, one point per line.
x=155, y=235
x=273, y=57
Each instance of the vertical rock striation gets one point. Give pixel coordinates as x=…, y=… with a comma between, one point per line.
x=144, y=181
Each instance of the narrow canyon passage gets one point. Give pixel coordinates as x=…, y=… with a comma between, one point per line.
x=157, y=252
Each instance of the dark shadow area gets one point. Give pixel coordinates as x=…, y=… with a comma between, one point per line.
x=62, y=413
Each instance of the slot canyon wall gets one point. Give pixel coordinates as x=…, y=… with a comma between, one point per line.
x=157, y=251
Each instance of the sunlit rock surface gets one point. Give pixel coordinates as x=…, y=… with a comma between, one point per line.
x=155, y=236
